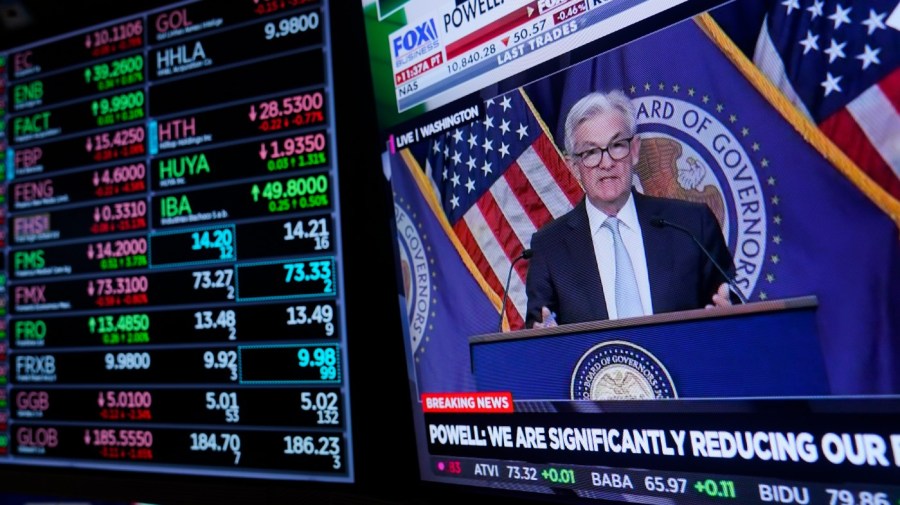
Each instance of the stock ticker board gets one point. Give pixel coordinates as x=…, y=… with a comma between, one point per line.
x=172, y=281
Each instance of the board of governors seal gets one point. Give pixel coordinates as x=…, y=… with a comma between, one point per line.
x=619, y=370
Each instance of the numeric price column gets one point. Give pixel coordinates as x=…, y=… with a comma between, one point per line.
x=78, y=155
x=244, y=181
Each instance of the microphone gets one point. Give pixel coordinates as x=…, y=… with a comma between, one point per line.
x=659, y=222
x=526, y=254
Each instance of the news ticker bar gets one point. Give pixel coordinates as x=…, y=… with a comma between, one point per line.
x=628, y=483
x=815, y=440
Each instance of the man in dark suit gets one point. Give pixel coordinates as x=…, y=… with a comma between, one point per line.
x=605, y=259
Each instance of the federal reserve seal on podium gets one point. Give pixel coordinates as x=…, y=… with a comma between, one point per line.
x=620, y=370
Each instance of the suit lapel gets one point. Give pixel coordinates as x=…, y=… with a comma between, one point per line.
x=658, y=251
x=580, y=247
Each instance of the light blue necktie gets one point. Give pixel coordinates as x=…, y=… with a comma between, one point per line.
x=628, y=299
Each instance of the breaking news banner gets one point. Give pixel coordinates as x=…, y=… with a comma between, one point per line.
x=500, y=402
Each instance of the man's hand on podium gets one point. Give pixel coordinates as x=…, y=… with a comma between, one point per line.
x=722, y=297
x=548, y=319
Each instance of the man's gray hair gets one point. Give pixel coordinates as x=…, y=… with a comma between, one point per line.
x=597, y=103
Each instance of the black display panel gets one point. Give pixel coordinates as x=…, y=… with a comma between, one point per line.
x=174, y=301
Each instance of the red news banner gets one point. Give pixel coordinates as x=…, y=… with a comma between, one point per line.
x=458, y=403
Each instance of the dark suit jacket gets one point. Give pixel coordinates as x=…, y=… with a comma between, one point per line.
x=563, y=275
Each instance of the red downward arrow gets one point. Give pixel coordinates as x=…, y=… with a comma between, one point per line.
x=505, y=41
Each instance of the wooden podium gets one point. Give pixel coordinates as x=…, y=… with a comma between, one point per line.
x=762, y=349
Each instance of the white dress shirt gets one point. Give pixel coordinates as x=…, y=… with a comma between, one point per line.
x=630, y=229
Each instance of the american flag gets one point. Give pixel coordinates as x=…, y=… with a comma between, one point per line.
x=499, y=180
x=839, y=63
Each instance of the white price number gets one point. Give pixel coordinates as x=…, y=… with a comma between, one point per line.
x=221, y=442
x=127, y=361
x=208, y=320
x=323, y=446
x=292, y=25
x=316, y=229
x=324, y=404
x=847, y=497
x=663, y=485
x=218, y=279
x=225, y=401
x=321, y=314
x=221, y=360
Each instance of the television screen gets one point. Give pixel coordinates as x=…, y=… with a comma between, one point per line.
x=173, y=287
x=647, y=250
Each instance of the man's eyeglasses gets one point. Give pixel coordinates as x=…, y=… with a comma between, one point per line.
x=618, y=150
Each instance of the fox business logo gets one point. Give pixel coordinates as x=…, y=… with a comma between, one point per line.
x=414, y=43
